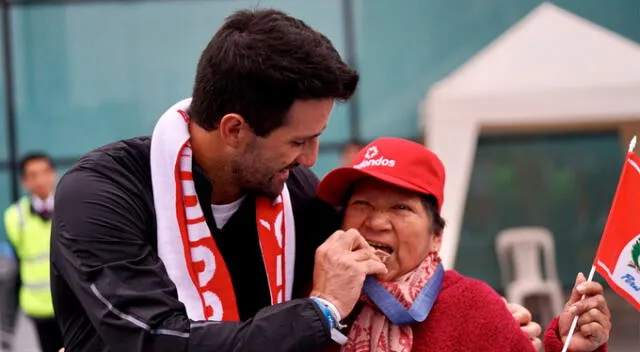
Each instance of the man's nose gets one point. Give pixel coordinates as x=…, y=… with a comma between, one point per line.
x=309, y=155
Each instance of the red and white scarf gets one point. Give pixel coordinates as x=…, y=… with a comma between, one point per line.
x=372, y=331
x=185, y=243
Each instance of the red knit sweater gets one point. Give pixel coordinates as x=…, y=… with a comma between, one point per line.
x=470, y=316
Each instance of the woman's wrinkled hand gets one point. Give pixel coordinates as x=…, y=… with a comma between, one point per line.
x=594, y=317
x=527, y=325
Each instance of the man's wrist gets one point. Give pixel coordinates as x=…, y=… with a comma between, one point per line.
x=332, y=317
x=330, y=311
x=326, y=313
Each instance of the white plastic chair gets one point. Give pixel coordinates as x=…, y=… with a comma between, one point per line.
x=519, y=250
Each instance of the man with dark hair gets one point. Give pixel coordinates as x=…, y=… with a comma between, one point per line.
x=28, y=227
x=202, y=237
x=139, y=265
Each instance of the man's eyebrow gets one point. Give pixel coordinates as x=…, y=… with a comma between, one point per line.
x=312, y=136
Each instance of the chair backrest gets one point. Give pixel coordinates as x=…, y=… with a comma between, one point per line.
x=520, y=248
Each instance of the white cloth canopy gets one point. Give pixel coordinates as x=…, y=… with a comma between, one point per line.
x=550, y=68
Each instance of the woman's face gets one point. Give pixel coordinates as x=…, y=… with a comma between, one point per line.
x=393, y=220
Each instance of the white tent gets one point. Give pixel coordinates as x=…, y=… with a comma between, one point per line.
x=552, y=68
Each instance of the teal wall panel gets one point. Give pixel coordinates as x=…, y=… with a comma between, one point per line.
x=88, y=74
x=405, y=47
x=3, y=123
x=327, y=161
x=564, y=182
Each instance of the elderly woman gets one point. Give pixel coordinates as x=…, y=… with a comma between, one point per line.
x=392, y=195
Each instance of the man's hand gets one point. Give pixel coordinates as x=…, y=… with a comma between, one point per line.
x=527, y=325
x=342, y=262
x=594, y=317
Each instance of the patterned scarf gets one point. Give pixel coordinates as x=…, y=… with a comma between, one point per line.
x=372, y=331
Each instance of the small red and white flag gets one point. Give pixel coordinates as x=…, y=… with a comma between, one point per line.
x=618, y=256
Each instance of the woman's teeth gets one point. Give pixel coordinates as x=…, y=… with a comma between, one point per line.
x=381, y=247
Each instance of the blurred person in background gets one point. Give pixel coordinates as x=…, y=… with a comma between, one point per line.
x=28, y=228
x=9, y=284
x=350, y=150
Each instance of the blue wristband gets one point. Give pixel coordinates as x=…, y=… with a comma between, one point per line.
x=326, y=312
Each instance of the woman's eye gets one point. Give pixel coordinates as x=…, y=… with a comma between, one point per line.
x=401, y=207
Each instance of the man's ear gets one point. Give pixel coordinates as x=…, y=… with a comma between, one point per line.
x=234, y=130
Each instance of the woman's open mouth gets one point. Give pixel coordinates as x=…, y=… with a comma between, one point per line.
x=380, y=246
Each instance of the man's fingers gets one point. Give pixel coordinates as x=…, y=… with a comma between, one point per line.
x=361, y=255
x=351, y=240
x=372, y=267
x=575, y=295
x=357, y=241
x=335, y=236
x=344, y=239
x=329, y=243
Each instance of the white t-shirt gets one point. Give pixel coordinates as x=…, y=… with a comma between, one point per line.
x=223, y=212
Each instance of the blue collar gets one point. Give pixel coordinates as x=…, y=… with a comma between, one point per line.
x=394, y=310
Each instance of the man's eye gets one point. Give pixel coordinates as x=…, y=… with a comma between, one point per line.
x=298, y=143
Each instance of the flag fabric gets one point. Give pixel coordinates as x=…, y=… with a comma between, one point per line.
x=618, y=256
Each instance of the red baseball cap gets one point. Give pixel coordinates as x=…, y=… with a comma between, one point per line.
x=396, y=161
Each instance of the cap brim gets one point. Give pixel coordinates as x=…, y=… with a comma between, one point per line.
x=334, y=186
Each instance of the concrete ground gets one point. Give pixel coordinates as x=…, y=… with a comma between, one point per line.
x=25, y=339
